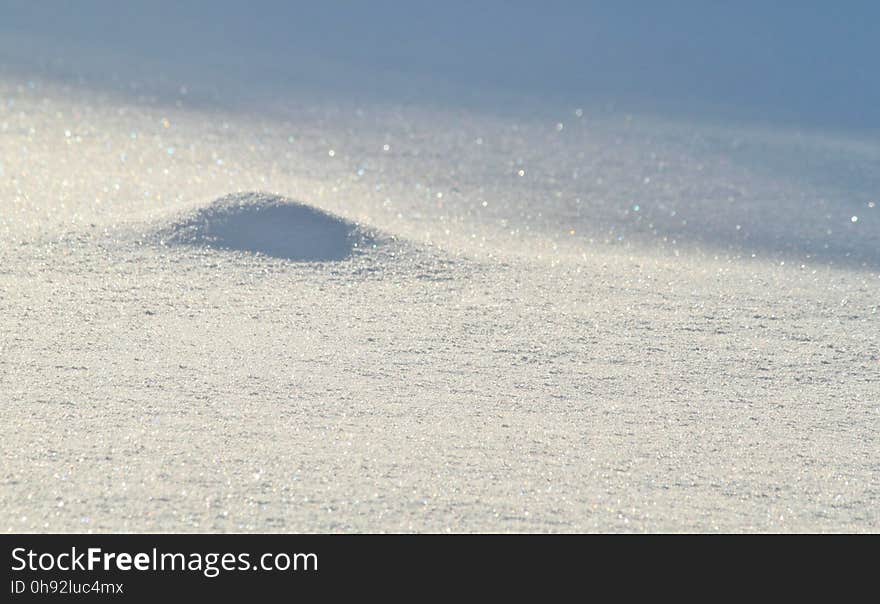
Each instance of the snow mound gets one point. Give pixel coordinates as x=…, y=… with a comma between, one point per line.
x=266, y=224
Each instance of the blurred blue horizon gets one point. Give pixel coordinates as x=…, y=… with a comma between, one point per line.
x=801, y=63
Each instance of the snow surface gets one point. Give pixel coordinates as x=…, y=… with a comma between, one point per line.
x=351, y=299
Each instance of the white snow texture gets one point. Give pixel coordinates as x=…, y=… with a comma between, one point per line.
x=504, y=267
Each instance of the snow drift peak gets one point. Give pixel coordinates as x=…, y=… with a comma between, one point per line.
x=268, y=224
